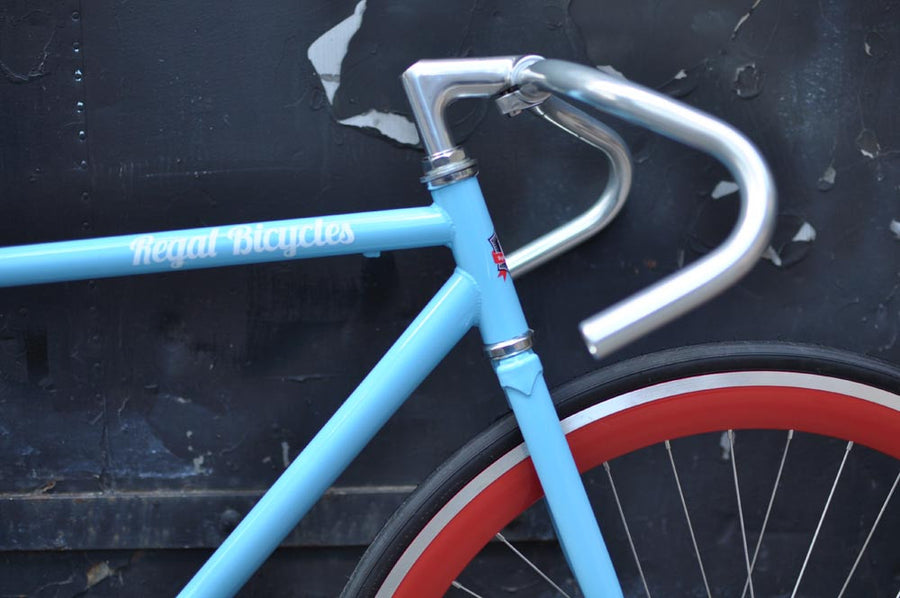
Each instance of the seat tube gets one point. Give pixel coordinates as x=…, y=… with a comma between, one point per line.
x=505, y=332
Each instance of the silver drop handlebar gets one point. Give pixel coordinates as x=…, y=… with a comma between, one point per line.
x=618, y=183
x=431, y=85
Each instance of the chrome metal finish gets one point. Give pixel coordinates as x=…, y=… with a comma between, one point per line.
x=432, y=85
x=634, y=554
x=531, y=565
x=708, y=276
x=812, y=542
x=448, y=167
x=514, y=102
x=687, y=517
x=513, y=346
x=618, y=183
x=762, y=530
x=740, y=506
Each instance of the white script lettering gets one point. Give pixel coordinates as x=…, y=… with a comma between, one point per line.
x=245, y=239
x=259, y=238
x=150, y=249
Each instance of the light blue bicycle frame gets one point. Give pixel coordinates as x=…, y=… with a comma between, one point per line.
x=479, y=293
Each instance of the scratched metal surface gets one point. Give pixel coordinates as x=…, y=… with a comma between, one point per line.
x=119, y=118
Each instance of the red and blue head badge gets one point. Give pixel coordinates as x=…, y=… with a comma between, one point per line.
x=499, y=258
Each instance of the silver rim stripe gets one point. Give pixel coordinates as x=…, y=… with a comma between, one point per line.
x=628, y=400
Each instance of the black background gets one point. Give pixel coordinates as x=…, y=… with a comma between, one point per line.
x=149, y=412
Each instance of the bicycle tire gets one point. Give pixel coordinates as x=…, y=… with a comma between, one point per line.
x=617, y=410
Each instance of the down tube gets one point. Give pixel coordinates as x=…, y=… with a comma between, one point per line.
x=428, y=339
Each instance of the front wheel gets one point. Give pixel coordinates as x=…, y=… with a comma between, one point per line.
x=726, y=470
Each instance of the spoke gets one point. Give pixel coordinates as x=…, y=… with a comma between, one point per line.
x=459, y=586
x=532, y=565
x=822, y=518
x=869, y=537
x=688, y=517
x=737, y=492
x=637, y=561
x=787, y=444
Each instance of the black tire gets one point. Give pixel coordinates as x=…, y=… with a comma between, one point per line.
x=640, y=373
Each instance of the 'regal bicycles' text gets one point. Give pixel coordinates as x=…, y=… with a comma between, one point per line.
x=244, y=240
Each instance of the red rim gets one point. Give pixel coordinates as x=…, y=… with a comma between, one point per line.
x=805, y=410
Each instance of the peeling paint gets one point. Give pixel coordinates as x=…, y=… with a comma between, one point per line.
x=895, y=228
x=772, y=255
x=35, y=72
x=826, y=181
x=97, y=573
x=684, y=81
x=793, y=251
x=724, y=188
x=725, y=446
x=198, y=464
x=875, y=45
x=743, y=19
x=327, y=55
x=740, y=24
x=398, y=128
x=748, y=81
x=328, y=51
x=806, y=234
x=285, y=453
x=868, y=145
x=611, y=70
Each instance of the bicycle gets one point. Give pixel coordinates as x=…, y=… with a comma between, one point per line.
x=464, y=505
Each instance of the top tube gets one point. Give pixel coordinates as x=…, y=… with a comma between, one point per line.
x=280, y=240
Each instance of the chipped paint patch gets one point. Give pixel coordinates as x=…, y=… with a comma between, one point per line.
x=327, y=55
x=399, y=128
x=198, y=464
x=875, y=45
x=748, y=81
x=611, y=70
x=806, y=234
x=743, y=19
x=328, y=51
x=791, y=252
x=683, y=82
x=895, y=228
x=772, y=255
x=97, y=573
x=868, y=145
x=285, y=453
x=724, y=188
x=725, y=445
x=740, y=24
x=826, y=181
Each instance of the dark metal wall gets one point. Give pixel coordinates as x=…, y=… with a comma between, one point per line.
x=150, y=412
